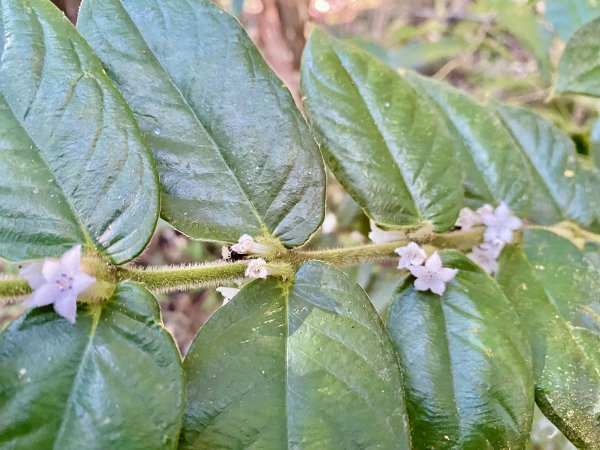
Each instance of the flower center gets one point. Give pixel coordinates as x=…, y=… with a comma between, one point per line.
x=64, y=282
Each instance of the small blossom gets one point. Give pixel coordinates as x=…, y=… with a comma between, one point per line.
x=500, y=224
x=467, y=219
x=57, y=282
x=329, y=223
x=225, y=252
x=432, y=275
x=485, y=209
x=411, y=255
x=493, y=248
x=228, y=293
x=380, y=236
x=247, y=245
x=484, y=258
x=257, y=268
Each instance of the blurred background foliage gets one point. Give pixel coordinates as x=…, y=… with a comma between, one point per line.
x=502, y=49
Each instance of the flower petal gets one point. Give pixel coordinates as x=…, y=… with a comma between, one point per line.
x=380, y=236
x=513, y=222
x=437, y=287
x=447, y=274
x=43, y=295
x=81, y=281
x=71, y=259
x=33, y=274
x=434, y=263
x=422, y=284
x=52, y=270
x=67, y=307
x=418, y=271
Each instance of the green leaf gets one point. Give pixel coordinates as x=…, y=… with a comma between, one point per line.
x=300, y=365
x=566, y=16
x=74, y=167
x=233, y=152
x=113, y=380
x=561, y=190
x=494, y=168
x=579, y=67
x=514, y=155
x=555, y=291
x=383, y=141
x=467, y=375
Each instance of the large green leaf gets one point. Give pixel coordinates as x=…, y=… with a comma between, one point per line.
x=514, y=155
x=579, y=67
x=300, y=365
x=113, y=380
x=233, y=152
x=494, y=168
x=74, y=167
x=555, y=291
x=383, y=141
x=566, y=16
x=466, y=367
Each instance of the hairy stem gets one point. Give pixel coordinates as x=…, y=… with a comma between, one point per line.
x=13, y=289
x=282, y=263
x=185, y=277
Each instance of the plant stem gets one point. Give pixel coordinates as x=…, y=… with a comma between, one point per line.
x=185, y=277
x=282, y=264
x=348, y=256
x=13, y=289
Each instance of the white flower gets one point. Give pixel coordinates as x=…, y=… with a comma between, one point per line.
x=228, y=293
x=380, y=236
x=247, y=244
x=492, y=248
x=467, y=219
x=484, y=258
x=329, y=223
x=411, y=255
x=500, y=224
x=485, y=209
x=257, y=268
x=225, y=252
x=432, y=275
x=57, y=282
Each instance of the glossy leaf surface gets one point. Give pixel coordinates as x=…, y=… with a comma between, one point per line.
x=579, y=67
x=514, y=155
x=385, y=143
x=112, y=380
x=465, y=363
x=554, y=289
x=490, y=160
x=304, y=365
x=74, y=168
x=233, y=152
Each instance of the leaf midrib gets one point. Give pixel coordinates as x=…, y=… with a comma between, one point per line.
x=534, y=169
x=186, y=102
x=355, y=85
x=97, y=312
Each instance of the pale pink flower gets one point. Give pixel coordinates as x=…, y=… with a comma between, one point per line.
x=57, y=282
x=432, y=276
x=410, y=255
